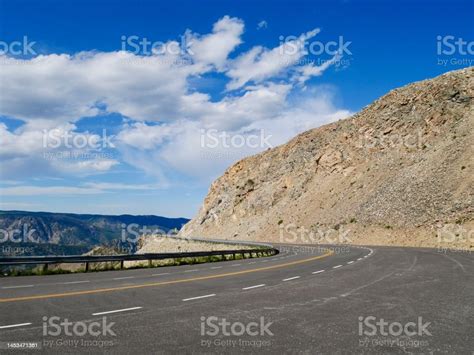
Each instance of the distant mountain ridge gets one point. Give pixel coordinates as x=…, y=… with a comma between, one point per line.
x=69, y=233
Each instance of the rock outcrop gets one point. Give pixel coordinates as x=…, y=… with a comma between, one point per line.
x=400, y=172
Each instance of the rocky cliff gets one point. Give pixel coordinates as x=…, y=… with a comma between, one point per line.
x=400, y=172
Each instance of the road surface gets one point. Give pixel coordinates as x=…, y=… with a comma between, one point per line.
x=333, y=300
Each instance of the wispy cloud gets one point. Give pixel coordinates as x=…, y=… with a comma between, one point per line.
x=262, y=25
x=89, y=188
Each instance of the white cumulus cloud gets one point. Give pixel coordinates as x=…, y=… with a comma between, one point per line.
x=164, y=115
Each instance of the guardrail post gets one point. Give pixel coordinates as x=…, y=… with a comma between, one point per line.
x=87, y=266
x=150, y=264
x=121, y=264
x=45, y=267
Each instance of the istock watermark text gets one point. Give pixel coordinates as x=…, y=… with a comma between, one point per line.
x=212, y=138
x=226, y=333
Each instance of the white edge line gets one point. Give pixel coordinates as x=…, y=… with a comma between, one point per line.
x=14, y=325
x=250, y=287
x=198, y=297
x=291, y=278
x=116, y=311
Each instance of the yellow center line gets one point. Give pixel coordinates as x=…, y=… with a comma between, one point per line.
x=129, y=287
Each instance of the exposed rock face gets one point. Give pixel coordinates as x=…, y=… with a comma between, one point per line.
x=160, y=244
x=397, y=173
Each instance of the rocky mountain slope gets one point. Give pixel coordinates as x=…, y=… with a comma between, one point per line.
x=400, y=172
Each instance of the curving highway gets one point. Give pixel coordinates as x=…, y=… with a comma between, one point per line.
x=307, y=299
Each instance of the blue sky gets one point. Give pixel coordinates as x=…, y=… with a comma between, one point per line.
x=245, y=70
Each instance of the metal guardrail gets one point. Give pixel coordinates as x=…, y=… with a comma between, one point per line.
x=87, y=259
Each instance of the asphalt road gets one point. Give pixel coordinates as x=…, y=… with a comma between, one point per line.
x=304, y=300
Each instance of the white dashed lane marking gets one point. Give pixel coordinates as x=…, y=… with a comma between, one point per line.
x=75, y=282
x=291, y=278
x=14, y=325
x=198, y=297
x=116, y=311
x=19, y=286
